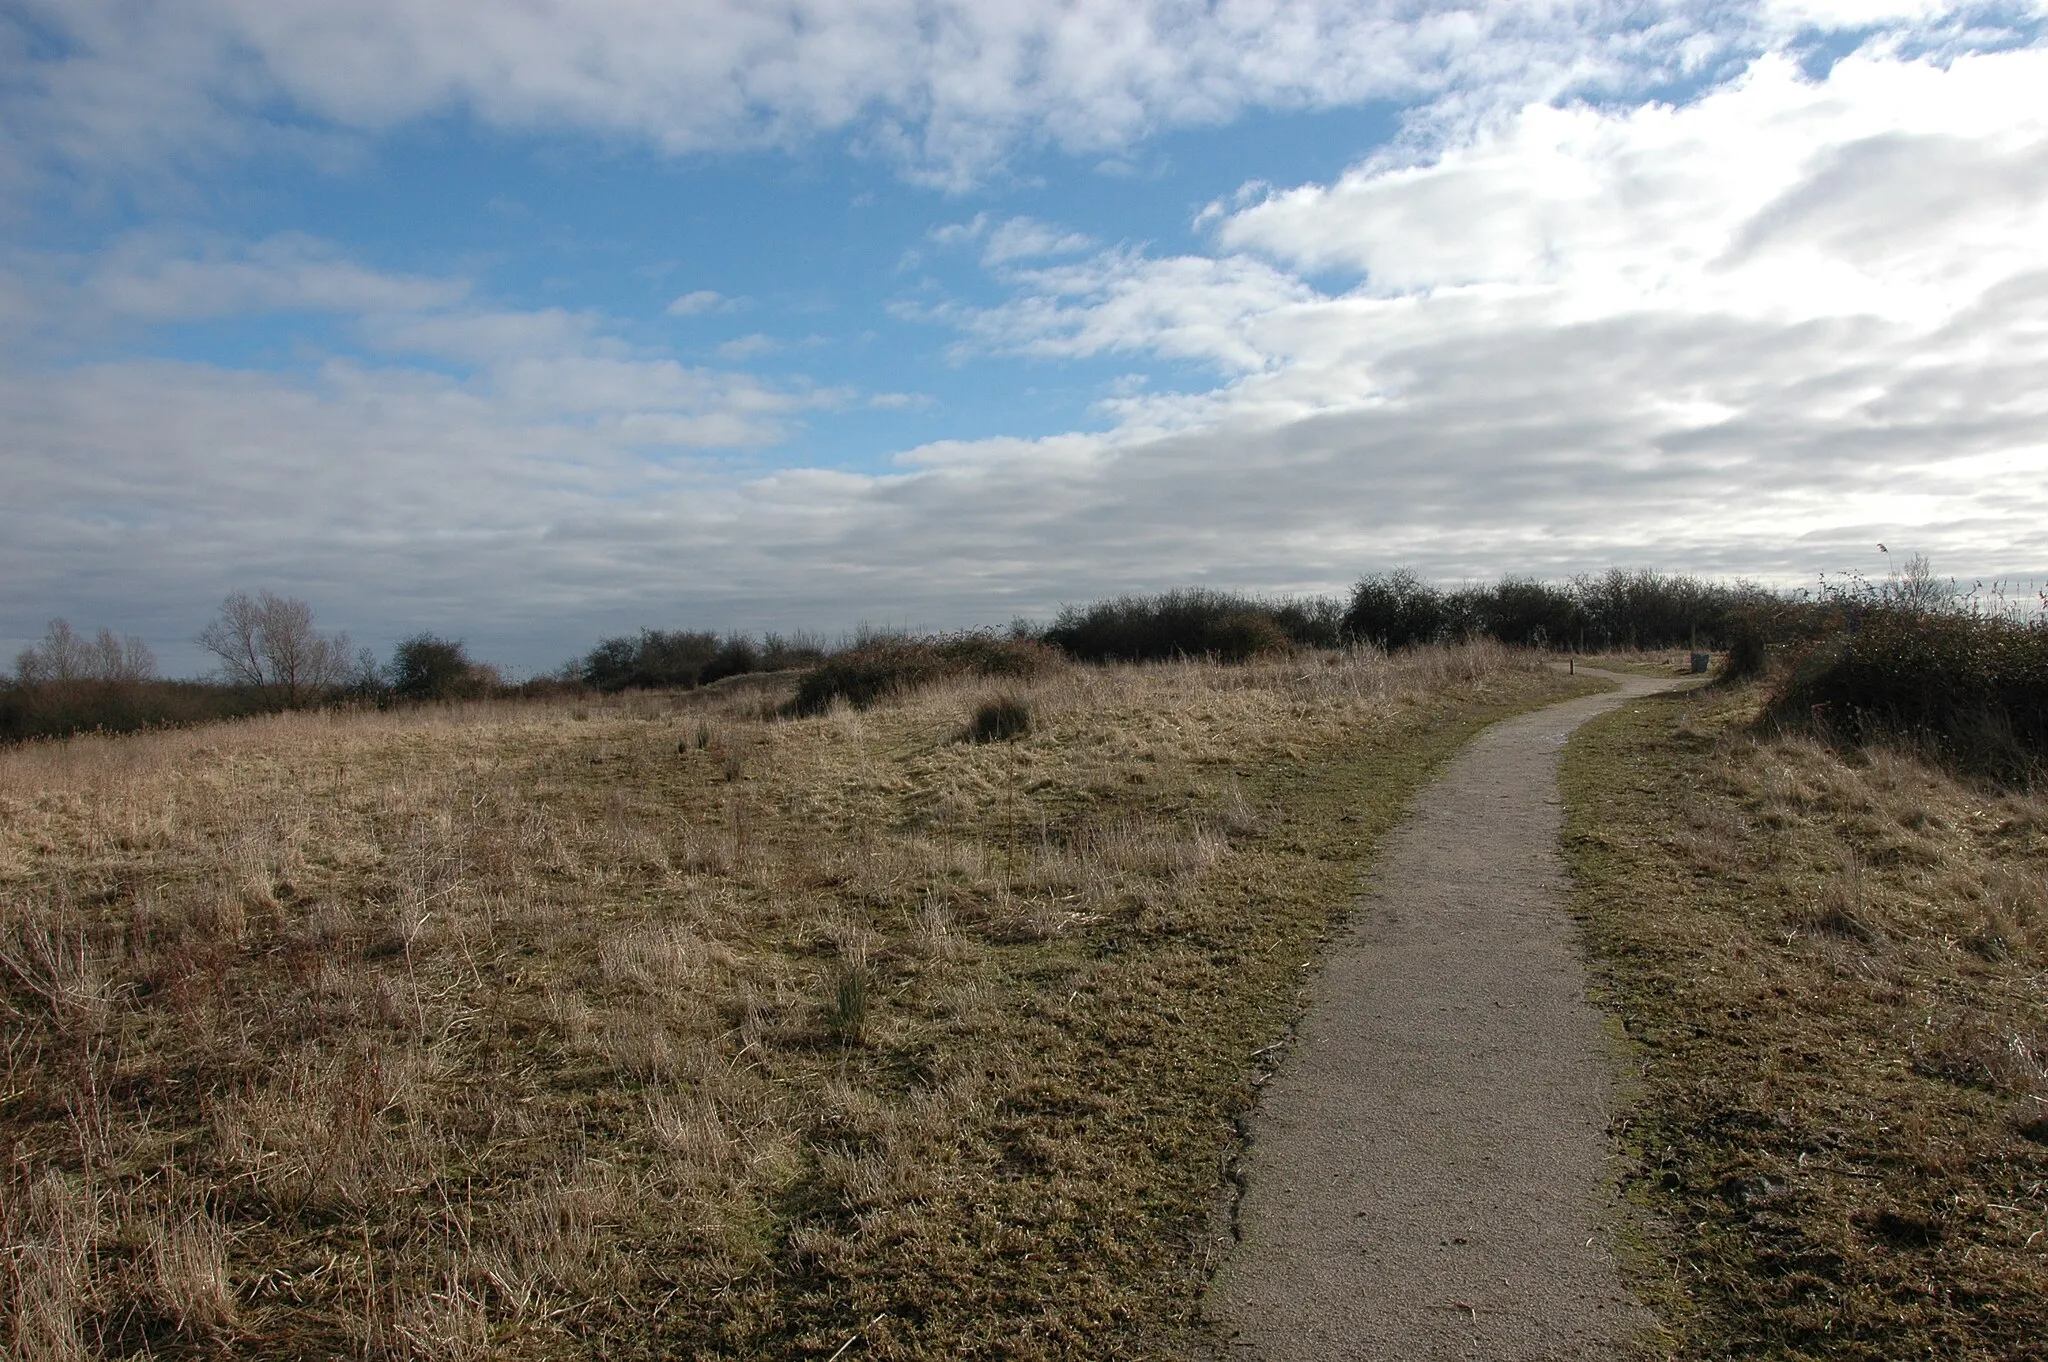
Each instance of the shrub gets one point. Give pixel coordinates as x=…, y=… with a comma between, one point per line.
x=270, y=642
x=1746, y=653
x=53, y=711
x=1518, y=611
x=1189, y=623
x=659, y=659
x=882, y=666
x=1002, y=719
x=1397, y=609
x=425, y=667
x=1975, y=688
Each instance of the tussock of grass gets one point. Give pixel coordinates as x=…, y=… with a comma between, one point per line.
x=1827, y=961
x=1004, y=718
x=653, y=1028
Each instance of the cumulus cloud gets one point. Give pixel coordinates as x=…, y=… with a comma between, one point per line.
x=949, y=88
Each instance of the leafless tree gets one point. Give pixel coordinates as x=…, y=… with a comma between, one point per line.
x=66, y=656
x=270, y=641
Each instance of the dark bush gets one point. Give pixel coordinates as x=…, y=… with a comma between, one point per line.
x=881, y=666
x=1317, y=622
x=1747, y=650
x=1974, y=688
x=780, y=654
x=1397, y=609
x=1002, y=719
x=735, y=656
x=659, y=659
x=425, y=667
x=59, y=710
x=1190, y=623
x=1528, y=612
x=1617, y=609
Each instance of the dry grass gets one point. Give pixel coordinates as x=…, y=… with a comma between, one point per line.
x=657, y=1027
x=1831, y=965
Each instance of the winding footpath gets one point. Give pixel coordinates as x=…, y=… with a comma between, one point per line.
x=1428, y=1175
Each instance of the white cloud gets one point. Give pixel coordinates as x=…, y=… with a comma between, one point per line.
x=1011, y=239
x=748, y=347
x=163, y=277
x=959, y=233
x=700, y=301
x=1187, y=307
x=1892, y=186
x=1026, y=238
x=901, y=401
x=949, y=87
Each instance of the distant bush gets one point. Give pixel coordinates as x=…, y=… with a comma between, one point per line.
x=1001, y=719
x=1975, y=688
x=1619, y=608
x=268, y=642
x=1520, y=611
x=1191, y=623
x=1398, y=609
x=659, y=659
x=71, y=683
x=425, y=667
x=59, y=710
x=881, y=666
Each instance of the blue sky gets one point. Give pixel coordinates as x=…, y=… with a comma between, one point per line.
x=528, y=324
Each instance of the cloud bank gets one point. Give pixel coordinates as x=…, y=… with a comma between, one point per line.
x=1757, y=331
x=948, y=88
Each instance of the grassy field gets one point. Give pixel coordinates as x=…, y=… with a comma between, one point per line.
x=1830, y=968
x=660, y=1028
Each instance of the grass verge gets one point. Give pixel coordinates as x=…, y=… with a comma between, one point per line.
x=659, y=1027
x=1828, y=964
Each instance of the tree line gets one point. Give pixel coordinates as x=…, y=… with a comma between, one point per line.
x=270, y=653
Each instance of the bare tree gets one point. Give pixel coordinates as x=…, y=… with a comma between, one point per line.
x=66, y=656
x=270, y=641
x=1917, y=588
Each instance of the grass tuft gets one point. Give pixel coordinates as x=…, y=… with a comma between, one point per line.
x=1002, y=719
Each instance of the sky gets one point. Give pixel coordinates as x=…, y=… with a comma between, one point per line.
x=537, y=321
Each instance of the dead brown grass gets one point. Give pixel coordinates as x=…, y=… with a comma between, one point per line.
x=657, y=1027
x=1831, y=965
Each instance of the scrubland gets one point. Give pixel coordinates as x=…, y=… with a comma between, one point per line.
x=1830, y=958
x=659, y=1026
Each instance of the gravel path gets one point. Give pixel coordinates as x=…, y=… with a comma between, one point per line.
x=1428, y=1172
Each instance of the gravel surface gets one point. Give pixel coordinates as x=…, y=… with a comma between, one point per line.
x=1428, y=1173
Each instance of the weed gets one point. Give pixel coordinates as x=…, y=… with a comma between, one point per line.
x=846, y=1009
